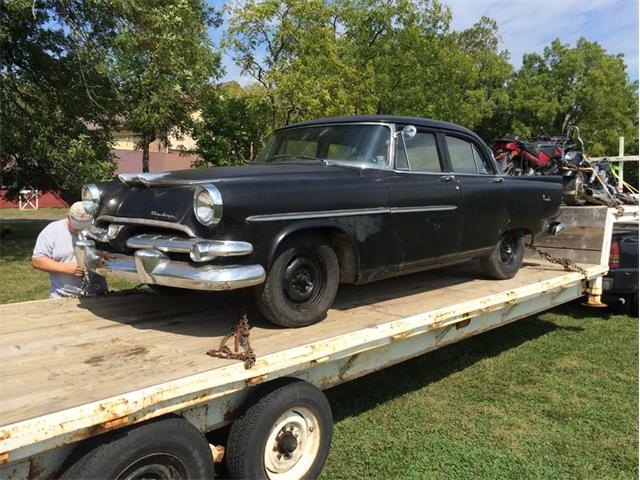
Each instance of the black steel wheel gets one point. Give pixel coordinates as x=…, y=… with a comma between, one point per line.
x=284, y=433
x=506, y=258
x=301, y=283
x=166, y=449
x=572, y=190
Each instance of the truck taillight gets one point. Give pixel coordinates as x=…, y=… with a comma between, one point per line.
x=614, y=254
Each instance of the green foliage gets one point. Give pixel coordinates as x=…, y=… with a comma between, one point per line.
x=73, y=71
x=233, y=126
x=47, y=109
x=581, y=85
x=321, y=58
x=316, y=58
x=162, y=59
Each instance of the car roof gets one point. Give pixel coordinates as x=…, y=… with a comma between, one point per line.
x=422, y=122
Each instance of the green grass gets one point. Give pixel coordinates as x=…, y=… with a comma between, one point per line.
x=19, y=281
x=40, y=213
x=551, y=396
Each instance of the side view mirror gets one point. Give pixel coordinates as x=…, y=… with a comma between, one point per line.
x=409, y=131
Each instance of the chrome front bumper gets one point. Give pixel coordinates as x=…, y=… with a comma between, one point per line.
x=150, y=265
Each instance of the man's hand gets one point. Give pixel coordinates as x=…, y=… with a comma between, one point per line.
x=74, y=269
x=47, y=265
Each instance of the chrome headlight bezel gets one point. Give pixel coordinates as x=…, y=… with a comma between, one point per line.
x=207, y=198
x=91, y=198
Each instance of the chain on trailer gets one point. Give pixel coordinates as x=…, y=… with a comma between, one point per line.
x=241, y=334
x=568, y=264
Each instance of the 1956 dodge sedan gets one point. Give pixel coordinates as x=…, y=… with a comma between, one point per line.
x=349, y=199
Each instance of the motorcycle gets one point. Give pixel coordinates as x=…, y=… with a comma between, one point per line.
x=583, y=181
x=517, y=157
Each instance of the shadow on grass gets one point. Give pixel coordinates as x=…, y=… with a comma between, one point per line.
x=365, y=393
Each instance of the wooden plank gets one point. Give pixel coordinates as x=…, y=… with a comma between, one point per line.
x=584, y=239
x=97, y=348
x=592, y=257
x=579, y=238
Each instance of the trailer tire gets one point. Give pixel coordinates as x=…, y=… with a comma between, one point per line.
x=291, y=419
x=170, y=448
x=506, y=258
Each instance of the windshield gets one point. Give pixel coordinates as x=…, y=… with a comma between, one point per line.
x=357, y=144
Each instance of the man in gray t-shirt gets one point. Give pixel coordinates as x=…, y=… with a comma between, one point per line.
x=53, y=253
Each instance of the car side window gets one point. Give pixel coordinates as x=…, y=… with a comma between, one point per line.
x=422, y=151
x=481, y=165
x=464, y=156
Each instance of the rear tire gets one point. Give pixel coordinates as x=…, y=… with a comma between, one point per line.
x=290, y=419
x=167, y=449
x=506, y=258
x=572, y=190
x=301, y=284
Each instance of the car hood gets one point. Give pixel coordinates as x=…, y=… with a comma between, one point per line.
x=194, y=176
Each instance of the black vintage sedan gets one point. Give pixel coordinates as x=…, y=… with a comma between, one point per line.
x=349, y=199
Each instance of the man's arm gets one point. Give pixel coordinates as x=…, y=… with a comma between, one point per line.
x=47, y=265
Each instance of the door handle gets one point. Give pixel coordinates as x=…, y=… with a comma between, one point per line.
x=497, y=180
x=446, y=178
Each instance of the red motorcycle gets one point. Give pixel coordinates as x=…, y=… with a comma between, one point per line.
x=543, y=156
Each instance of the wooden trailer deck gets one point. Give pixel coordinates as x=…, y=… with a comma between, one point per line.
x=71, y=365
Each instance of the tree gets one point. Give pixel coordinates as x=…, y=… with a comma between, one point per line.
x=233, y=125
x=581, y=85
x=50, y=102
x=289, y=48
x=321, y=58
x=162, y=59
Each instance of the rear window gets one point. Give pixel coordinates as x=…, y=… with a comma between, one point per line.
x=465, y=157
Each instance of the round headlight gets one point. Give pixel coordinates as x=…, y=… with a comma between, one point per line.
x=207, y=205
x=91, y=198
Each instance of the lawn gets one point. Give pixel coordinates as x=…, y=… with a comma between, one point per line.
x=40, y=213
x=551, y=396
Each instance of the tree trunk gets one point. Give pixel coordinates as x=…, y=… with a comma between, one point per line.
x=145, y=154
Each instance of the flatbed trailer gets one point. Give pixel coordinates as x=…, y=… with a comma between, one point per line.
x=77, y=373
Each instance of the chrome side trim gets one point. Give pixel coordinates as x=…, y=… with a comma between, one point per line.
x=347, y=213
x=431, y=208
x=145, y=221
x=319, y=214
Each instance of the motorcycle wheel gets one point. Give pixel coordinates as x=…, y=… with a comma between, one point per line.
x=572, y=190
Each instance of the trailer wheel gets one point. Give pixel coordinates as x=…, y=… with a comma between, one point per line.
x=506, y=258
x=284, y=434
x=168, y=449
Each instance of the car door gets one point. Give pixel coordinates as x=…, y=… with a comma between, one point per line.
x=484, y=196
x=424, y=204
